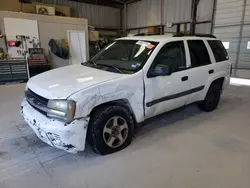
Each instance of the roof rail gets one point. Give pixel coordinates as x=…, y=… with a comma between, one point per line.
x=196, y=35
x=179, y=35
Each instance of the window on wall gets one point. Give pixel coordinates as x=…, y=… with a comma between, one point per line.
x=198, y=53
x=172, y=55
x=218, y=49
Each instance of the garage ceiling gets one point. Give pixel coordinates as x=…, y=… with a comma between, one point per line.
x=111, y=3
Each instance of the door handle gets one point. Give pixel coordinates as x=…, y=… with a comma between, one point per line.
x=211, y=71
x=185, y=78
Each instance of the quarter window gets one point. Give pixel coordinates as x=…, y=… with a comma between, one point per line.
x=171, y=55
x=198, y=53
x=218, y=49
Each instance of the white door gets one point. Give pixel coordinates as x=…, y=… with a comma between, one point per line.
x=77, y=47
x=164, y=93
x=201, y=69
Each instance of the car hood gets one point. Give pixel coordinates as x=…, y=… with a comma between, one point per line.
x=62, y=82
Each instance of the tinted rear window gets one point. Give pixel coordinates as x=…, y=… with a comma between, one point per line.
x=198, y=53
x=218, y=49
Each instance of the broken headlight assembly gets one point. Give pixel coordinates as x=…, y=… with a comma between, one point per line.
x=61, y=109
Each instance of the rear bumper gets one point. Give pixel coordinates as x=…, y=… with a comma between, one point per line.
x=69, y=137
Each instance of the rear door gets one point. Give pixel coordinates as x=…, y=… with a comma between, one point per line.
x=201, y=68
x=222, y=65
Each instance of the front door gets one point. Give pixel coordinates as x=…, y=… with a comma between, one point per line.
x=164, y=93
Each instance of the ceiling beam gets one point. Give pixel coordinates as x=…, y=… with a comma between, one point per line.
x=109, y=3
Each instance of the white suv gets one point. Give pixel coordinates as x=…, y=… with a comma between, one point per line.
x=135, y=78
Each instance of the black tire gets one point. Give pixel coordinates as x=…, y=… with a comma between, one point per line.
x=212, y=98
x=97, y=123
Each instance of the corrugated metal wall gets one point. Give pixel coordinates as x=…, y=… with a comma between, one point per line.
x=98, y=16
x=205, y=10
x=177, y=10
x=144, y=13
x=244, y=56
x=231, y=25
x=149, y=13
x=203, y=28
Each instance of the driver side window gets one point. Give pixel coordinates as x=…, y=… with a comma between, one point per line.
x=172, y=55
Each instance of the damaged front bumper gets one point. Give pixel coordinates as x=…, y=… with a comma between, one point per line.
x=70, y=137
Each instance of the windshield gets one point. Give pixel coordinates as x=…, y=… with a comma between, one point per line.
x=123, y=56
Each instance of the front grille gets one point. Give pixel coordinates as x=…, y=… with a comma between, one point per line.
x=38, y=98
x=36, y=101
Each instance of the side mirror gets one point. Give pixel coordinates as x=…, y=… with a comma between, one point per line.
x=160, y=70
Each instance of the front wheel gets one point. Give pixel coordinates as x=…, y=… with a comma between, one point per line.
x=212, y=98
x=111, y=129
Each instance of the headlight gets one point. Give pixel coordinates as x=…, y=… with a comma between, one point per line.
x=61, y=109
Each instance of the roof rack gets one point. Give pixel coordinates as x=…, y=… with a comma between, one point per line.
x=195, y=35
x=178, y=35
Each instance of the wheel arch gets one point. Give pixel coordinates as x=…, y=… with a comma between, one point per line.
x=220, y=81
x=120, y=102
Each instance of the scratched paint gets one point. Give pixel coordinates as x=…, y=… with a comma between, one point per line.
x=124, y=88
x=71, y=137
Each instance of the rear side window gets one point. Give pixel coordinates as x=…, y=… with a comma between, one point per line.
x=218, y=49
x=198, y=53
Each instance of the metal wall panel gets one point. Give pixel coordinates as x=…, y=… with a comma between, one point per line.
x=177, y=10
x=247, y=12
x=205, y=10
x=98, y=16
x=203, y=28
x=228, y=12
x=230, y=27
x=148, y=12
x=144, y=13
x=244, y=56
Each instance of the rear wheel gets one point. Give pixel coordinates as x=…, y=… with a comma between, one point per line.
x=212, y=98
x=111, y=129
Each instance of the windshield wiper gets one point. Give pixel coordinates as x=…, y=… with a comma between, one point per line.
x=112, y=66
x=105, y=65
x=90, y=61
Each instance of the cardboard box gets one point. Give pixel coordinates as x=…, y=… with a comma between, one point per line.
x=48, y=10
x=28, y=8
x=93, y=35
x=153, y=30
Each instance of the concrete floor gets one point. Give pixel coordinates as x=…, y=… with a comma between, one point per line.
x=185, y=148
